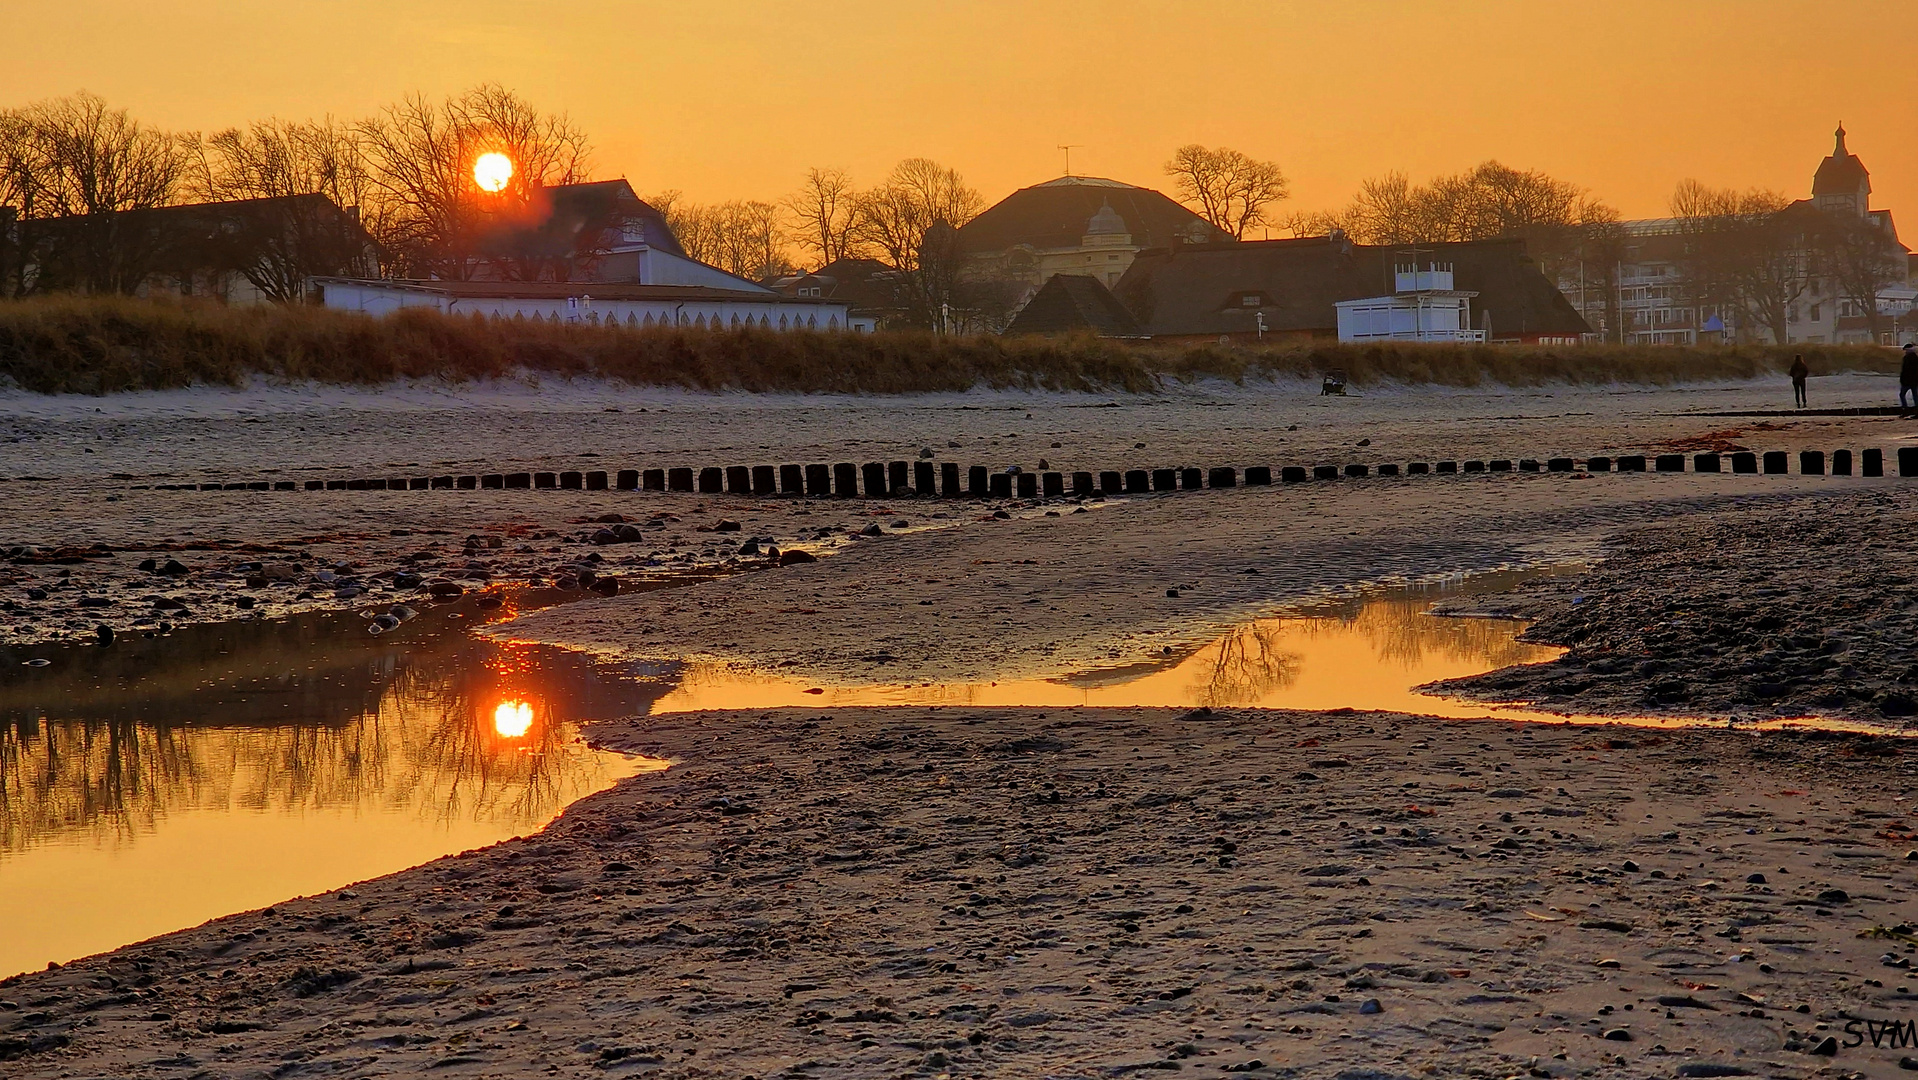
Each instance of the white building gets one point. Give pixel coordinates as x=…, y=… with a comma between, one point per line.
x=1424, y=306
x=1655, y=306
x=697, y=307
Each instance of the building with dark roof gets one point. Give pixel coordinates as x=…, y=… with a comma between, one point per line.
x=1072, y=303
x=1074, y=225
x=1277, y=289
x=239, y=251
x=593, y=232
x=871, y=289
x=1842, y=183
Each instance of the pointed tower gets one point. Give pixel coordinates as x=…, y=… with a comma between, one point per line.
x=1842, y=182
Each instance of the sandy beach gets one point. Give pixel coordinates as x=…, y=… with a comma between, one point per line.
x=1080, y=894
x=1062, y=892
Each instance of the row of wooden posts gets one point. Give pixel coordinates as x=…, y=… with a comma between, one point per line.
x=926, y=479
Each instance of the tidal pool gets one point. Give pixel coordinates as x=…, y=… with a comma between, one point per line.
x=162, y=782
x=1368, y=652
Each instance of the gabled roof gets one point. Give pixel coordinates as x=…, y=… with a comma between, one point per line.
x=1841, y=173
x=1055, y=215
x=1295, y=284
x=564, y=219
x=1071, y=302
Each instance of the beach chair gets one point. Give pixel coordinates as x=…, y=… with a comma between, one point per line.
x=1334, y=384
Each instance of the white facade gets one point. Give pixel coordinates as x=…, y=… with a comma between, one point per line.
x=631, y=306
x=1424, y=307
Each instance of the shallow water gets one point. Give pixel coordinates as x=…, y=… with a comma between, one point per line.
x=1369, y=652
x=162, y=782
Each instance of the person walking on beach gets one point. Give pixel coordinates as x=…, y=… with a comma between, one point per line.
x=1798, y=373
x=1908, y=376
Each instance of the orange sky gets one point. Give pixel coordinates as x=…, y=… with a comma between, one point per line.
x=734, y=99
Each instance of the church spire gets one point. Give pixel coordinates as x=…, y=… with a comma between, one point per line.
x=1840, y=152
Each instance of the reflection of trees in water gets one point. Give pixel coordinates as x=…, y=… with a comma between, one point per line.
x=1245, y=665
x=1251, y=662
x=424, y=745
x=1400, y=632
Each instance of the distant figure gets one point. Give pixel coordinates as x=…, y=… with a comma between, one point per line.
x=1908, y=376
x=1798, y=373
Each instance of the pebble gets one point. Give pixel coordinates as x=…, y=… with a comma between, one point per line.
x=1754, y=879
x=1371, y=1006
x=1618, y=1035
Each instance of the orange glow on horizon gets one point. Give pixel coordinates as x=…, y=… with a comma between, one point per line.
x=736, y=100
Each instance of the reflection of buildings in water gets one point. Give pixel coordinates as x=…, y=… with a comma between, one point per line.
x=113, y=743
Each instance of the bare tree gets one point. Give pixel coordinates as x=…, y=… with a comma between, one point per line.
x=1553, y=217
x=826, y=210
x=422, y=155
x=1745, y=251
x=297, y=191
x=75, y=158
x=910, y=219
x=745, y=238
x=1385, y=212
x=750, y=239
x=1861, y=258
x=1231, y=190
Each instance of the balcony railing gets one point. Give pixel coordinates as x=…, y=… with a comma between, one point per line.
x=1421, y=335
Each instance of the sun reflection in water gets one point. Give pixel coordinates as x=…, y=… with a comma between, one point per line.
x=513, y=719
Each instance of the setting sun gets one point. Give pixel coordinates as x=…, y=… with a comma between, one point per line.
x=492, y=171
x=513, y=719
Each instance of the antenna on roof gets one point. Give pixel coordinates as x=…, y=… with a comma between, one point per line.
x=1069, y=148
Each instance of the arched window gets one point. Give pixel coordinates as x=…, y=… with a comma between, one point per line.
x=699, y=321
x=782, y=320
x=833, y=323
x=632, y=318
x=649, y=319
x=735, y=322
x=812, y=323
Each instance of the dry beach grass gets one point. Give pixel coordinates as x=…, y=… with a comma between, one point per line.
x=102, y=345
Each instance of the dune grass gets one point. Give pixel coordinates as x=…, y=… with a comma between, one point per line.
x=103, y=345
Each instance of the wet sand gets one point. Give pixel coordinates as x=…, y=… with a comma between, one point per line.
x=1747, y=612
x=1079, y=893
x=1075, y=892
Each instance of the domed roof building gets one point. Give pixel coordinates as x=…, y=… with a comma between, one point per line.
x=1082, y=225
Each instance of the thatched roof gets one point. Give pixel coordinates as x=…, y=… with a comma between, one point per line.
x=1071, y=302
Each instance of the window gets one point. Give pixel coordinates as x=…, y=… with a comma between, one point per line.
x=1251, y=300
x=1816, y=315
